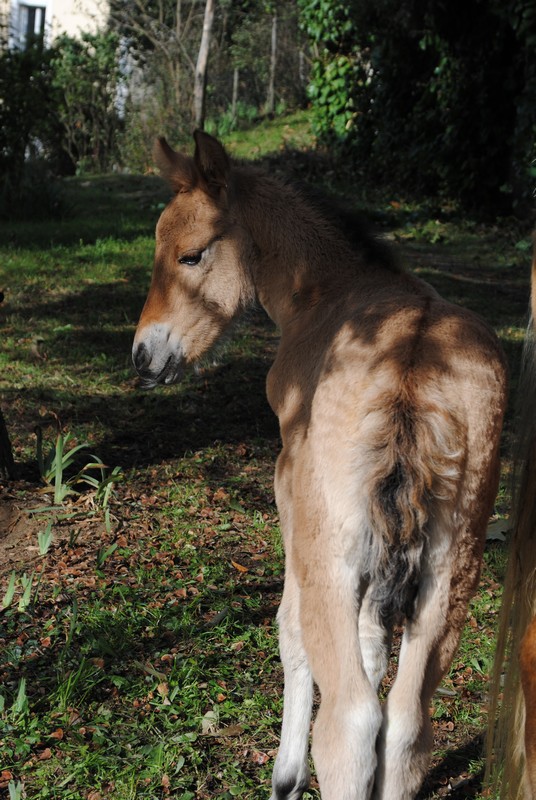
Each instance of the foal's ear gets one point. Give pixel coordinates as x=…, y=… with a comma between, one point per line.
x=211, y=160
x=177, y=169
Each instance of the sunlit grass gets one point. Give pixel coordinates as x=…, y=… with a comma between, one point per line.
x=271, y=136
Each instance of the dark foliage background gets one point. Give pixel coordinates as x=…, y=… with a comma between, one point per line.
x=435, y=96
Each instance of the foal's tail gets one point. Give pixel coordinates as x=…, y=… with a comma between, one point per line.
x=418, y=449
x=506, y=763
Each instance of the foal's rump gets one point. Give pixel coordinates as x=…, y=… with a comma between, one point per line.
x=423, y=439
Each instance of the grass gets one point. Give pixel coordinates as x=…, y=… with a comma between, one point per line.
x=289, y=132
x=138, y=650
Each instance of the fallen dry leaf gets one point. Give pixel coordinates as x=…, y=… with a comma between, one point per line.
x=259, y=758
x=5, y=777
x=239, y=567
x=230, y=730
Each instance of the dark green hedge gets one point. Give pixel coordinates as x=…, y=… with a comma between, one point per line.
x=434, y=96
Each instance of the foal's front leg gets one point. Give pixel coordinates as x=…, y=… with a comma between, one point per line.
x=291, y=772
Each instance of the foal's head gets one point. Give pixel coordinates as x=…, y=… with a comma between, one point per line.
x=199, y=280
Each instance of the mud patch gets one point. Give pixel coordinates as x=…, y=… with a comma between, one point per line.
x=19, y=527
x=22, y=518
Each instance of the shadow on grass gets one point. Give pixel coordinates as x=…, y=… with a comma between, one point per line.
x=144, y=624
x=142, y=428
x=500, y=300
x=455, y=769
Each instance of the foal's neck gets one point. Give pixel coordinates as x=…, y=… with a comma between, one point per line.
x=297, y=247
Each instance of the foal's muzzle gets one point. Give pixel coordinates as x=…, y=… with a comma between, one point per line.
x=160, y=366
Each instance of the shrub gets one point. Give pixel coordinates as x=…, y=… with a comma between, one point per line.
x=58, y=113
x=25, y=124
x=439, y=97
x=33, y=193
x=86, y=78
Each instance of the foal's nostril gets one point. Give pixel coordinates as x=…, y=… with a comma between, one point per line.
x=141, y=357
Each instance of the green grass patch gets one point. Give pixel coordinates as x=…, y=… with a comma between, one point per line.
x=291, y=132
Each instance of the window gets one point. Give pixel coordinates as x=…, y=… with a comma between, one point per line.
x=31, y=23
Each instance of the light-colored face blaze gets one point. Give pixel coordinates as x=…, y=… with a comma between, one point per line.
x=197, y=287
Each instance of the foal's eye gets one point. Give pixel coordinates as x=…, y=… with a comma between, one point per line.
x=191, y=259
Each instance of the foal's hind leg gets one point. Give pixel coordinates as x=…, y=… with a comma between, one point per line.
x=349, y=717
x=374, y=639
x=428, y=646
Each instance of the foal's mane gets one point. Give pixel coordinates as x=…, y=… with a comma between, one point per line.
x=326, y=214
x=353, y=225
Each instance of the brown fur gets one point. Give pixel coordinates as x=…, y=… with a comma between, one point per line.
x=511, y=741
x=527, y=659
x=390, y=403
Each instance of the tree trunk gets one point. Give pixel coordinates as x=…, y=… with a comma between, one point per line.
x=270, y=99
x=301, y=67
x=200, y=82
x=175, y=68
x=7, y=465
x=234, y=101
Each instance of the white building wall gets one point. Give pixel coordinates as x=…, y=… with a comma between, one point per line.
x=72, y=17
x=77, y=16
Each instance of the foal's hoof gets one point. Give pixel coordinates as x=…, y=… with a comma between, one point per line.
x=292, y=789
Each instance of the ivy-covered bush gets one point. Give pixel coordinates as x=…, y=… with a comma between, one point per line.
x=431, y=97
x=336, y=71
